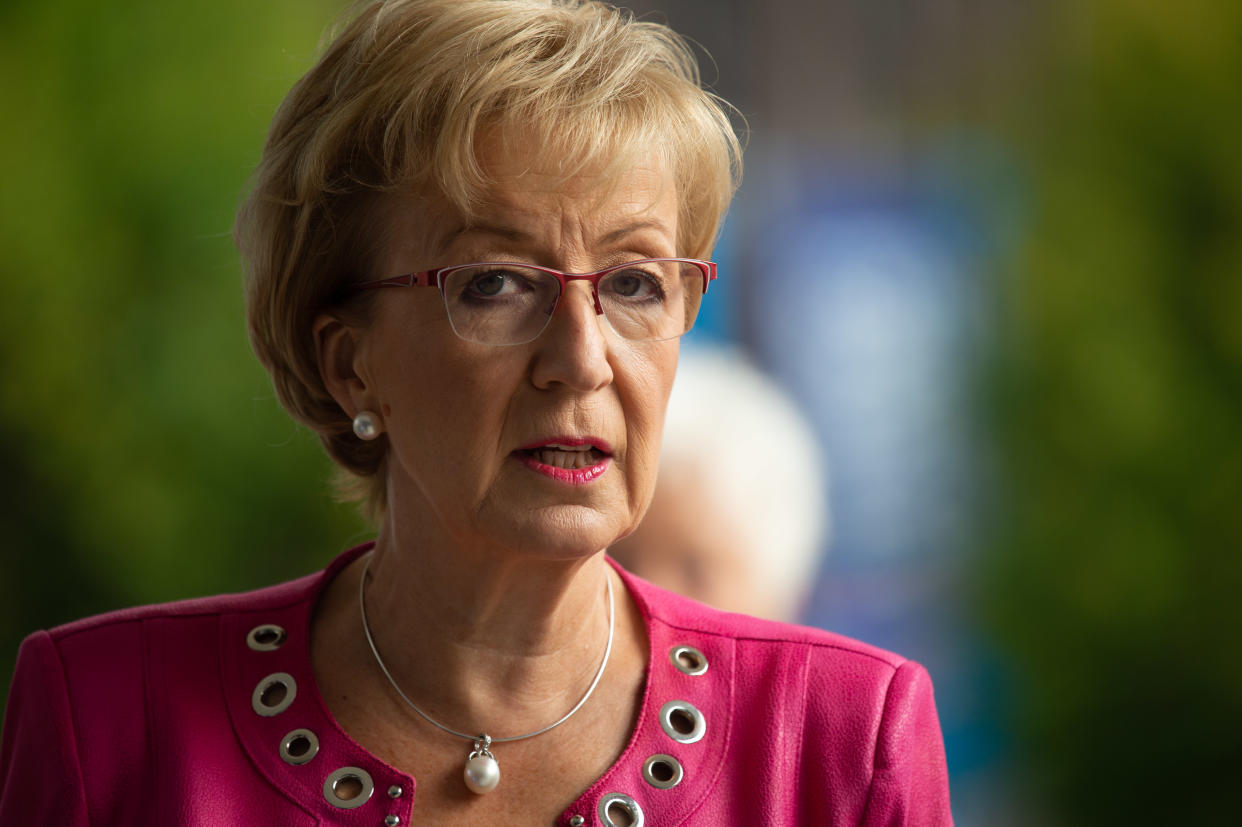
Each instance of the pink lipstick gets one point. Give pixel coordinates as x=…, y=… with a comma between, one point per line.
x=573, y=460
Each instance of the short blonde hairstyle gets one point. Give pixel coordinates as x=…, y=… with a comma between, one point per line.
x=399, y=102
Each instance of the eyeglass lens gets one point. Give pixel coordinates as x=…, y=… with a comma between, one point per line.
x=511, y=304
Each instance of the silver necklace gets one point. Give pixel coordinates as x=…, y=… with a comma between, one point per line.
x=482, y=771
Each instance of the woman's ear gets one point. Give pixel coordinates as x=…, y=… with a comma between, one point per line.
x=338, y=346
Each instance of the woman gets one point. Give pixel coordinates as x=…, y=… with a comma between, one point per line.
x=473, y=244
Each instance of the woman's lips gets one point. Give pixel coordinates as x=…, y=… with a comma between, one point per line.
x=573, y=460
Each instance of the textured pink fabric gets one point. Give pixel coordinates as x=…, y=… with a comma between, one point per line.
x=144, y=717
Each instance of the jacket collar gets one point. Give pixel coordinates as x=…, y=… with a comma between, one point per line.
x=669, y=765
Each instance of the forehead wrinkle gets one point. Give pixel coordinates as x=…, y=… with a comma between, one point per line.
x=574, y=228
x=541, y=215
x=469, y=228
x=636, y=227
x=621, y=211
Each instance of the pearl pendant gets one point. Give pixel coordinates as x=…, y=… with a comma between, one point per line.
x=482, y=773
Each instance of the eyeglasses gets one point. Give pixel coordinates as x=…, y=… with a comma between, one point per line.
x=506, y=303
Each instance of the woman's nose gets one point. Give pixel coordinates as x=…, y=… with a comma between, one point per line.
x=573, y=349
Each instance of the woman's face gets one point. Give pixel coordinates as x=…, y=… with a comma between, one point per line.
x=504, y=445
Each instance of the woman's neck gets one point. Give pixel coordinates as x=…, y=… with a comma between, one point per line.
x=485, y=640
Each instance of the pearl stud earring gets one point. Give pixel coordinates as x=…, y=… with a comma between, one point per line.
x=366, y=426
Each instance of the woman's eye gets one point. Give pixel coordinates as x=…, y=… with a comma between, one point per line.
x=634, y=284
x=492, y=284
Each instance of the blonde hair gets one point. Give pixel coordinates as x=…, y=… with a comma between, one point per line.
x=399, y=101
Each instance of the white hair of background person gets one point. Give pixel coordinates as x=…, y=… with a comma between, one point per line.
x=759, y=460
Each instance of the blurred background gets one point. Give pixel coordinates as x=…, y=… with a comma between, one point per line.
x=992, y=248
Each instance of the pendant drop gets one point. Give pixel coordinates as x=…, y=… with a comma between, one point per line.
x=482, y=773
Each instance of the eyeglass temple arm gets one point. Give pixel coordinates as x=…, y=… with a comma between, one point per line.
x=711, y=275
x=423, y=279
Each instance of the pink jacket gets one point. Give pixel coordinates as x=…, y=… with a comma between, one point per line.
x=158, y=716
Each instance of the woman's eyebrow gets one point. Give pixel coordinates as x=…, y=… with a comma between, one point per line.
x=630, y=229
x=514, y=234
x=487, y=228
x=459, y=231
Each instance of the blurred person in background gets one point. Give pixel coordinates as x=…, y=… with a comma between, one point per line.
x=474, y=240
x=739, y=518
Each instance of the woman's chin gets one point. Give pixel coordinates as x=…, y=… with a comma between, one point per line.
x=564, y=532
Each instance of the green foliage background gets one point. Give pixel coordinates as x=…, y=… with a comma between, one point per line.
x=1114, y=580
x=144, y=457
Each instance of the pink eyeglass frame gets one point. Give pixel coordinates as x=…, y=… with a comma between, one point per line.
x=435, y=278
